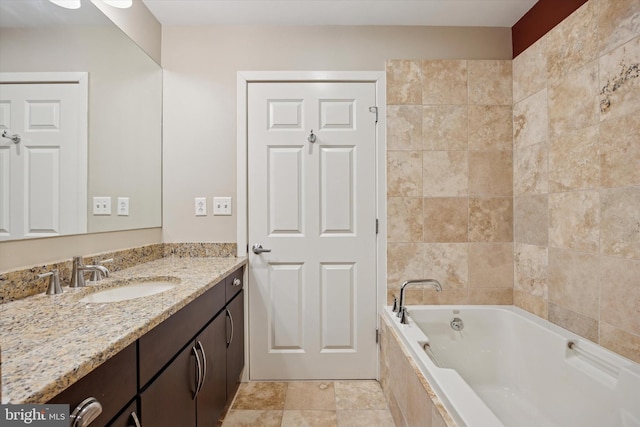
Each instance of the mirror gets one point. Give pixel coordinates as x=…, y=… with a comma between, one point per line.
x=121, y=124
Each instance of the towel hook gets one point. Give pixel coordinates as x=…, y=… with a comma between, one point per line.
x=15, y=138
x=311, y=138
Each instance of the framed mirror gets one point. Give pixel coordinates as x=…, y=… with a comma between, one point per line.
x=86, y=104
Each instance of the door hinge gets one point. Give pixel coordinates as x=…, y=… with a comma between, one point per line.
x=374, y=110
x=377, y=336
x=377, y=226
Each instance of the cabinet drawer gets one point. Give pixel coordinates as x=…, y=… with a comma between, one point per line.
x=113, y=383
x=234, y=284
x=158, y=346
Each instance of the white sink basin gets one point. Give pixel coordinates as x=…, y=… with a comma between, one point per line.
x=127, y=292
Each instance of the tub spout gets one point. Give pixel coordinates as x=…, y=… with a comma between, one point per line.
x=433, y=282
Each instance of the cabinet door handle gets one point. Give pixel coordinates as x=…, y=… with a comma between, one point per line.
x=86, y=412
x=237, y=282
x=204, y=365
x=230, y=318
x=136, y=421
x=198, y=373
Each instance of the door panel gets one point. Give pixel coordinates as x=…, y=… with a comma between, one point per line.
x=313, y=297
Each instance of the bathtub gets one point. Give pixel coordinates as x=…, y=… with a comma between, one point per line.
x=509, y=368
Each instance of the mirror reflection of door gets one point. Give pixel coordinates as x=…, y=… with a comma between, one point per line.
x=43, y=188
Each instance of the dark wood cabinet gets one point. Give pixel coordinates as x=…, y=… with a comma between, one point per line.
x=181, y=373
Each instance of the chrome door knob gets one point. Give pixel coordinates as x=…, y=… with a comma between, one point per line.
x=258, y=249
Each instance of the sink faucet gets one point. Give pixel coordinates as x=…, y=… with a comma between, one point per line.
x=77, y=273
x=402, y=311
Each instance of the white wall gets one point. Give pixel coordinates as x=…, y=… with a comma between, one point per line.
x=200, y=65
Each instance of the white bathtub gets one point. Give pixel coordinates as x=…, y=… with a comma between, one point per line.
x=510, y=368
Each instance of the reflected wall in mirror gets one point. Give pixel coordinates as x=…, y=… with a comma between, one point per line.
x=122, y=123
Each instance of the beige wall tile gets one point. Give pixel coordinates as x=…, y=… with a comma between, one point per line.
x=490, y=82
x=491, y=265
x=406, y=221
x=444, y=127
x=445, y=174
x=574, y=101
x=574, y=220
x=444, y=82
x=491, y=173
x=446, y=297
x=446, y=219
x=447, y=263
x=620, y=303
x=404, y=173
x=404, y=127
x=530, y=70
x=620, y=224
x=488, y=296
x=530, y=120
x=574, y=282
x=622, y=342
x=531, y=270
x=404, y=82
x=530, y=170
x=491, y=219
x=404, y=260
x=620, y=151
x=436, y=419
x=584, y=326
x=574, y=161
x=531, y=219
x=618, y=22
x=419, y=404
x=532, y=304
x=573, y=42
x=619, y=80
x=490, y=127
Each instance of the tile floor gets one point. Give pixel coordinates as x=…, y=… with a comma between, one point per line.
x=309, y=403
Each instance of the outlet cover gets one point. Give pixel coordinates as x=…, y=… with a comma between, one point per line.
x=222, y=205
x=123, y=206
x=102, y=205
x=201, y=206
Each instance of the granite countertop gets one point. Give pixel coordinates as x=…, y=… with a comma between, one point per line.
x=50, y=342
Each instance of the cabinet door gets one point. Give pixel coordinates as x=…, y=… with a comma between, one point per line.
x=235, y=349
x=169, y=399
x=213, y=394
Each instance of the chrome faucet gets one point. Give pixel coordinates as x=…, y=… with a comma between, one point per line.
x=77, y=273
x=401, y=309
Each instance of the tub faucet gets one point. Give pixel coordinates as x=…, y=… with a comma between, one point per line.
x=78, y=270
x=402, y=314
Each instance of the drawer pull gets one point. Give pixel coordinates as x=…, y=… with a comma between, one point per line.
x=231, y=319
x=204, y=365
x=237, y=282
x=86, y=412
x=198, y=373
x=136, y=421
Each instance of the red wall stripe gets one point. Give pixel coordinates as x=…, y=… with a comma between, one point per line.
x=537, y=22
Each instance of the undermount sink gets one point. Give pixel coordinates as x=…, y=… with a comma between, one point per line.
x=129, y=291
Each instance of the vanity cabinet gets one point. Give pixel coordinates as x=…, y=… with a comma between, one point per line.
x=235, y=346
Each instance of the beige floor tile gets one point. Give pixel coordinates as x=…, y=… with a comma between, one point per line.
x=261, y=396
x=310, y=395
x=359, y=395
x=252, y=418
x=309, y=419
x=365, y=418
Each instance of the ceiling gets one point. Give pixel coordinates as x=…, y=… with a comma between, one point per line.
x=481, y=13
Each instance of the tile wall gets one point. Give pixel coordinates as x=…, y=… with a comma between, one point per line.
x=576, y=181
x=449, y=175
x=519, y=181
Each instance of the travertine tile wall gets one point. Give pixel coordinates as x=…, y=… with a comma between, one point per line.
x=576, y=179
x=449, y=174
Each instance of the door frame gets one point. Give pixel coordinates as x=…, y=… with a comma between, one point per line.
x=376, y=77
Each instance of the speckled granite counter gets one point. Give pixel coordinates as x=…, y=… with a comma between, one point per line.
x=50, y=342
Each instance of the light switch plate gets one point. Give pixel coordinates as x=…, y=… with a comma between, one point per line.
x=102, y=205
x=222, y=205
x=123, y=206
x=201, y=206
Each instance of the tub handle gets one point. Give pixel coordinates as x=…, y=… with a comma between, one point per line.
x=595, y=360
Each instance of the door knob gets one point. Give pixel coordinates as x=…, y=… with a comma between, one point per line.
x=258, y=249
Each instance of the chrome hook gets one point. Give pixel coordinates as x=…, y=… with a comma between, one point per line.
x=15, y=138
x=311, y=138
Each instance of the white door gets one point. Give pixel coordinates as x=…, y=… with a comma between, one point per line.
x=43, y=186
x=313, y=297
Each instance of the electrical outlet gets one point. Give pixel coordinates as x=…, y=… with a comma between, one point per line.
x=222, y=205
x=102, y=205
x=201, y=206
x=123, y=206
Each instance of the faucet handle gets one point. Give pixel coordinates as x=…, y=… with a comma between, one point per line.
x=54, y=282
x=403, y=316
x=99, y=274
x=395, y=308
